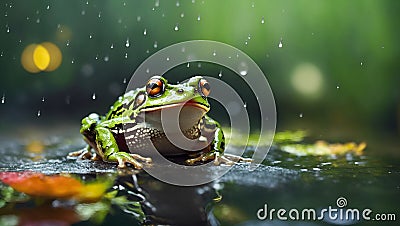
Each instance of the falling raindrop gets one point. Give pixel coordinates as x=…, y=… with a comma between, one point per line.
x=90, y=36
x=72, y=61
x=83, y=12
x=245, y=105
x=214, y=53
x=5, y=14
x=198, y=18
x=243, y=69
x=145, y=32
x=177, y=4
x=252, y=5
x=249, y=36
x=176, y=28
x=8, y=30
x=245, y=42
x=3, y=99
x=48, y=7
x=220, y=74
x=106, y=58
x=280, y=44
x=138, y=18
x=167, y=58
x=199, y=65
x=124, y=82
x=87, y=2
x=112, y=46
x=337, y=87
x=96, y=57
x=147, y=70
x=155, y=45
x=67, y=44
x=127, y=43
x=38, y=113
x=94, y=96
x=157, y=3
x=38, y=20
x=43, y=99
x=99, y=14
x=182, y=15
x=262, y=20
x=361, y=64
x=187, y=65
x=301, y=115
x=126, y=55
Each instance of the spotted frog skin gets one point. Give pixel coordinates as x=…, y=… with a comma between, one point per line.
x=123, y=134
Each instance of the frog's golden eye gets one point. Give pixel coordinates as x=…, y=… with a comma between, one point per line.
x=155, y=87
x=204, y=87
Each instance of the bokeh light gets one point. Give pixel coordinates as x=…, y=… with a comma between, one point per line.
x=41, y=57
x=307, y=80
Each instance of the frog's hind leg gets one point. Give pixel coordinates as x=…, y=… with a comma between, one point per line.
x=84, y=153
x=107, y=145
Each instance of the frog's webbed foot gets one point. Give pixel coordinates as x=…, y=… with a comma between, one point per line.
x=123, y=158
x=219, y=159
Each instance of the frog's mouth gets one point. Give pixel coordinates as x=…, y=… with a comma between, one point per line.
x=190, y=113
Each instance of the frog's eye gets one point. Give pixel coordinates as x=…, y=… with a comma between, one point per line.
x=155, y=87
x=204, y=87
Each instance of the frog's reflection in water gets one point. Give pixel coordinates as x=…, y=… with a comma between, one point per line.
x=164, y=203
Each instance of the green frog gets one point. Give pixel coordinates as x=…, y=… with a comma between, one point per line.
x=123, y=134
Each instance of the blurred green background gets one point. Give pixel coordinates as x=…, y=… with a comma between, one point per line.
x=333, y=65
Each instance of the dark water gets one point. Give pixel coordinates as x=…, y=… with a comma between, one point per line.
x=283, y=181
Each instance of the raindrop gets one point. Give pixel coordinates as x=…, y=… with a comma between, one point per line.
x=262, y=20
x=182, y=15
x=167, y=58
x=198, y=18
x=145, y=32
x=5, y=14
x=280, y=44
x=177, y=4
x=252, y=5
x=127, y=43
x=220, y=74
x=126, y=55
x=245, y=105
x=87, y=2
x=8, y=30
x=147, y=70
x=361, y=64
x=106, y=58
x=157, y=3
x=243, y=69
x=245, y=42
x=124, y=82
x=3, y=99
x=193, y=1
x=112, y=46
x=155, y=45
x=48, y=7
x=94, y=96
x=124, y=4
x=38, y=113
x=147, y=51
x=176, y=28
x=249, y=36
x=301, y=115
x=43, y=99
x=90, y=36
x=96, y=57
x=138, y=18
x=1, y=54
x=187, y=65
x=99, y=14
x=214, y=53
x=199, y=65
x=83, y=12
x=337, y=87
x=38, y=20
x=67, y=44
x=72, y=61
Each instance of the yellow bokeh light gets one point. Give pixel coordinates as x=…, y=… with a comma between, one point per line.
x=41, y=57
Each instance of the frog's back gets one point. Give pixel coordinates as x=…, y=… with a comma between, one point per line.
x=122, y=104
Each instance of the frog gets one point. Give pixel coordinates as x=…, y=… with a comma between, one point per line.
x=123, y=134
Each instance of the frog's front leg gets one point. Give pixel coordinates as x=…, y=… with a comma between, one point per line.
x=108, y=149
x=212, y=130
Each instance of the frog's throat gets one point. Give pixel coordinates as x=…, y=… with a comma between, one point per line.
x=192, y=103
